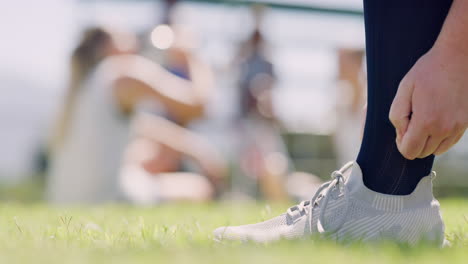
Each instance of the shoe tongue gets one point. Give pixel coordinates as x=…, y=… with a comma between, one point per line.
x=354, y=180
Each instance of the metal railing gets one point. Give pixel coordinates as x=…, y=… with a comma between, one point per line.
x=271, y=4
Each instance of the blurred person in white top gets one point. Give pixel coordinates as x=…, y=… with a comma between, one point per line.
x=107, y=85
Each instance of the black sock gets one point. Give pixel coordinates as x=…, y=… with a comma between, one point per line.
x=398, y=33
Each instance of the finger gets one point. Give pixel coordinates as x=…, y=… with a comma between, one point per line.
x=413, y=141
x=447, y=143
x=400, y=111
x=431, y=145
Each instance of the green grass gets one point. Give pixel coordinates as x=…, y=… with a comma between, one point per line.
x=182, y=234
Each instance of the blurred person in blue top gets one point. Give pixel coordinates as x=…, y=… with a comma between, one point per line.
x=263, y=154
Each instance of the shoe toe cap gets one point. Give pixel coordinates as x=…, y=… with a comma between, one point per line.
x=218, y=233
x=229, y=233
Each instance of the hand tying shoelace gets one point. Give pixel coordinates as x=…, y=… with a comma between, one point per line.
x=323, y=193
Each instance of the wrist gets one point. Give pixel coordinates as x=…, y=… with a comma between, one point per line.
x=453, y=38
x=451, y=51
x=451, y=46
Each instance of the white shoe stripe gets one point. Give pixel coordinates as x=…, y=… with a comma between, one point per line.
x=353, y=228
x=405, y=221
x=374, y=227
x=385, y=225
x=394, y=204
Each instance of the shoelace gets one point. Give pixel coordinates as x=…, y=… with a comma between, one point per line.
x=322, y=194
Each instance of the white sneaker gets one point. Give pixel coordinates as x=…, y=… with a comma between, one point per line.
x=345, y=210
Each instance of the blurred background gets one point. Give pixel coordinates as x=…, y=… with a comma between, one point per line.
x=151, y=101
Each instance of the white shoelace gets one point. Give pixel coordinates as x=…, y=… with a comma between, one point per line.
x=306, y=207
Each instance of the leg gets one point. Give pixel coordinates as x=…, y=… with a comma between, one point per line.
x=144, y=188
x=398, y=33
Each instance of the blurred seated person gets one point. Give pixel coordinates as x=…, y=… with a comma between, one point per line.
x=162, y=154
x=108, y=82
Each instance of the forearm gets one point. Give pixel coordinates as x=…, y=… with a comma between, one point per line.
x=173, y=92
x=139, y=78
x=202, y=79
x=454, y=33
x=181, y=104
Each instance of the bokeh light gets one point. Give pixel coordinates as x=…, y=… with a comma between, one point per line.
x=162, y=37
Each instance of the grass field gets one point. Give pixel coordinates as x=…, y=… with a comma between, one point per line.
x=182, y=234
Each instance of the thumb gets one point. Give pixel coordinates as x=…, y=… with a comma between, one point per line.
x=400, y=111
